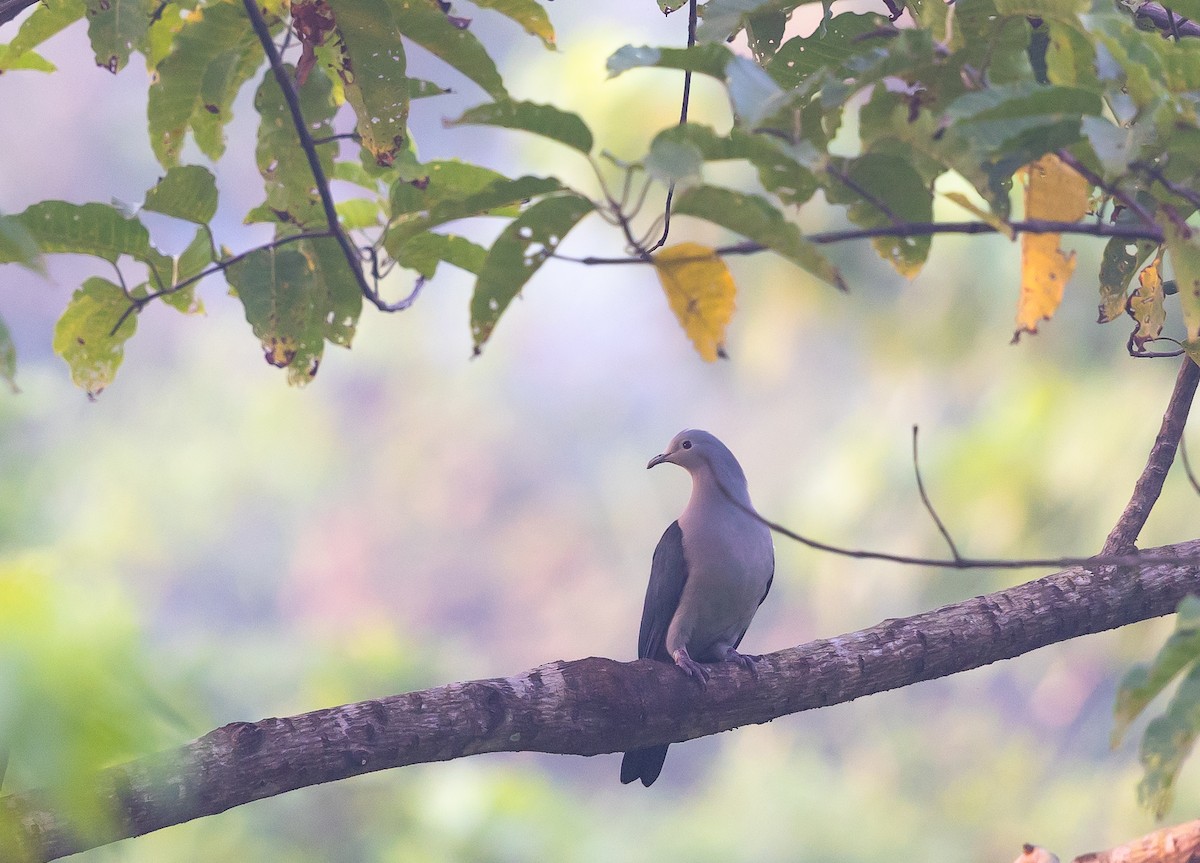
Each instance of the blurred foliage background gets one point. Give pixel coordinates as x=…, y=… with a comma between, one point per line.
x=204, y=544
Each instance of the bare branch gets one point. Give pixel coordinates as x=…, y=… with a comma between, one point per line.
x=924, y=229
x=594, y=706
x=1158, y=15
x=928, y=504
x=1149, y=485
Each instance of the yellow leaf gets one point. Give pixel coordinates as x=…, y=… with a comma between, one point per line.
x=1146, y=305
x=701, y=292
x=1053, y=192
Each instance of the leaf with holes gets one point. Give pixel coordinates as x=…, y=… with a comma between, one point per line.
x=710, y=59
x=1120, y=261
x=544, y=120
x=753, y=217
x=292, y=200
x=87, y=335
x=279, y=292
x=517, y=254
x=115, y=28
x=369, y=60
x=830, y=46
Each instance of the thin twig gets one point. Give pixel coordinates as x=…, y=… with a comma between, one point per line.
x=349, y=250
x=683, y=116
x=1112, y=189
x=1174, y=188
x=138, y=303
x=1146, y=490
x=929, y=505
x=923, y=229
x=849, y=182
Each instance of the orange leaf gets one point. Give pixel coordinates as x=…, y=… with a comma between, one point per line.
x=701, y=292
x=1055, y=192
x=1146, y=305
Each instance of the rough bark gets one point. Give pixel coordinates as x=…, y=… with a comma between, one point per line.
x=594, y=706
x=1178, y=844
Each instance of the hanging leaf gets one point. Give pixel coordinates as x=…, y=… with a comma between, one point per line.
x=708, y=59
x=518, y=253
x=116, y=27
x=752, y=217
x=544, y=120
x=278, y=291
x=18, y=246
x=1146, y=306
x=1143, y=683
x=425, y=251
x=1120, y=261
x=701, y=293
x=369, y=60
x=1053, y=192
x=1167, y=743
x=87, y=335
x=1184, y=248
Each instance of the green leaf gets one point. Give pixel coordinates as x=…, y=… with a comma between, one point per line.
x=440, y=203
x=292, y=199
x=370, y=63
x=801, y=56
x=196, y=258
x=214, y=53
x=1117, y=267
x=84, y=336
x=518, y=252
x=278, y=290
x=116, y=27
x=544, y=120
x=339, y=300
x=48, y=18
x=1168, y=741
x=528, y=13
x=674, y=160
x=425, y=251
x=187, y=192
x=881, y=190
x=709, y=59
x=90, y=229
x=1185, y=259
x=726, y=18
x=354, y=214
x=18, y=246
x=425, y=23
x=752, y=217
x=8, y=358
x=777, y=170
x=1143, y=683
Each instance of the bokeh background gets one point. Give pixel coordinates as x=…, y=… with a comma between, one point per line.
x=203, y=544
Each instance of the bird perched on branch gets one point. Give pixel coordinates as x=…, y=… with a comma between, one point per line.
x=711, y=571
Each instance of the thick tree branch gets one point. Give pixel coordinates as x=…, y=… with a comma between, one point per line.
x=1178, y=844
x=594, y=706
x=1149, y=485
